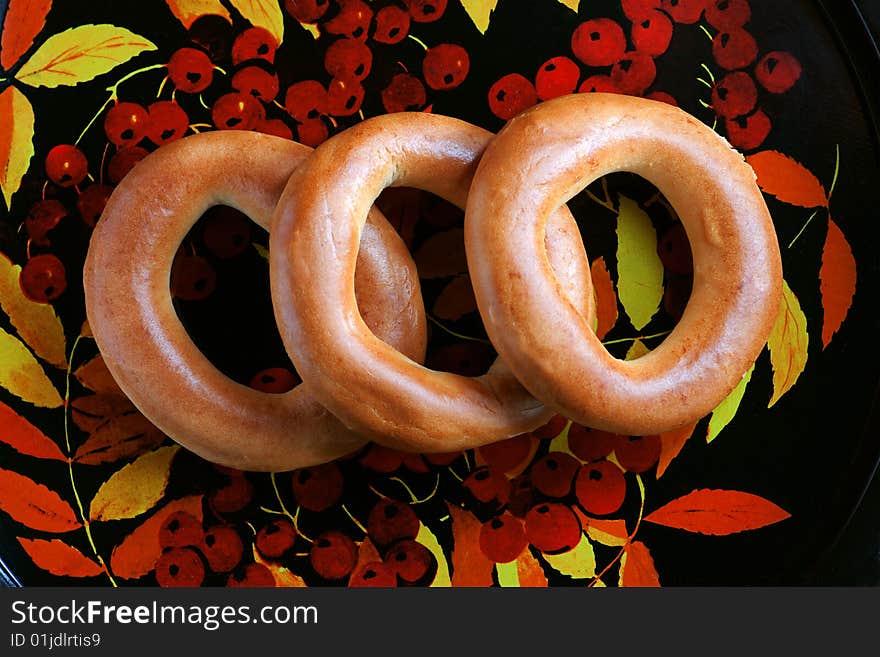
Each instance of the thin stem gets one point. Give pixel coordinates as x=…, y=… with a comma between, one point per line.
x=162, y=86
x=203, y=103
x=607, y=205
x=709, y=71
x=705, y=82
x=95, y=118
x=453, y=333
x=222, y=70
x=641, y=337
x=360, y=114
x=629, y=538
x=273, y=512
x=707, y=32
x=377, y=492
x=704, y=103
x=103, y=160
x=801, y=231
x=295, y=519
x=133, y=74
x=417, y=40
x=836, y=170
x=454, y=473
x=278, y=496
x=414, y=499
x=606, y=191
x=355, y=520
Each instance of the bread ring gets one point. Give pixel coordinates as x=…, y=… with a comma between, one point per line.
x=146, y=347
x=539, y=161
x=370, y=386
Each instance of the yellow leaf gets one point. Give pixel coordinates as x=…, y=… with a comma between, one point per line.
x=263, y=13
x=21, y=374
x=81, y=54
x=426, y=537
x=524, y=571
x=507, y=574
x=284, y=577
x=579, y=563
x=724, y=412
x=639, y=270
x=16, y=140
x=788, y=344
x=187, y=11
x=480, y=12
x=571, y=4
x=135, y=488
x=560, y=443
x=36, y=323
x=312, y=29
x=637, y=350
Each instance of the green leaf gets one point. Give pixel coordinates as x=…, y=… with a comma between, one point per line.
x=726, y=410
x=639, y=270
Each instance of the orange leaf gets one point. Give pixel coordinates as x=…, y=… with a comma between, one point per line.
x=23, y=376
x=788, y=344
x=25, y=438
x=284, y=577
x=529, y=570
x=456, y=299
x=135, y=488
x=470, y=567
x=91, y=411
x=187, y=11
x=94, y=375
x=442, y=255
x=789, y=181
x=367, y=553
x=34, y=505
x=637, y=567
x=838, y=281
x=718, y=512
x=123, y=436
x=671, y=443
x=606, y=297
x=59, y=558
x=138, y=552
x=16, y=140
x=23, y=22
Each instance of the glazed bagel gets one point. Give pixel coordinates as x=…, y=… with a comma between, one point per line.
x=369, y=385
x=146, y=347
x=538, y=162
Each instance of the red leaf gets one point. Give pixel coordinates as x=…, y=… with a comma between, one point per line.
x=718, y=512
x=606, y=297
x=456, y=299
x=138, y=552
x=59, y=558
x=637, y=567
x=94, y=375
x=529, y=571
x=92, y=411
x=838, y=281
x=34, y=505
x=671, y=443
x=24, y=20
x=470, y=567
x=789, y=181
x=25, y=438
x=118, y=437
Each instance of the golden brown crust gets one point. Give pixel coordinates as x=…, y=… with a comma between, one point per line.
x=371, y=387
x=544, y=157
x=147, y=349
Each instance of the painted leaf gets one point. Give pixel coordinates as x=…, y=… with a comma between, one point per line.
x=187, y=11
x=525, y=572
x=426, y=537
x=637, y=350
x=81, y=54
x=16, y=140
x=23, y=22
x=789, y=181
x=137, y=554
x=34, y=505
x=94, y=375
x=36, y=323
x=59, y=558
x=639, y=270
x=579, y=563
x=456, y=300
x=120, y=437
x=442, y=255
x=263, y=13
x=367, y=553
x=284, y=577
x=838, y=281
x=470, y=567
x=560, y=443
x=262, y=251
x=21, y=374
x=788, y=344
x=480, y=12
x=25, y=438
x=726, y=410
x=606, y=297
x=313, y=29
x=91, y=411
x=612, y=533
x=671, y=443
x=718, y=512
x=135, y=488
x=571, y=4
x=637, y=567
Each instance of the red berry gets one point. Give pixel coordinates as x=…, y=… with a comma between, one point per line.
x=652, y=32
x=734, y=49
x=124, y=161
x=412, y=562
x=634, y=73
x=522, y=496
x=254, y=43
x=192, y=278
x=415, y=463
x=488, y=487
x=257, y=82
x=734, y=95
x=274, y=380
x=306, y=100
x=344, y=96
x=599, y=84
x=505, y=455
x=425, y=11
x=381, y=459
x=126, y=123
x=66, y=165
x=374, y=574
x=557, y=77
x=511, y=95
x=43, y=217
x=445, y=66
x=348, y=58
x=235, y=111
x=254, y=574
x=390, y=521
x=674, y=250
x=442, y=459
x=676, y=294
x=684, y=11
x=312, y=132
x=589, y=444
x=43, y=279
x=553, y=473
x=319, y=487
x=213, y=34
x=190, y=70
x=275, y=127
x=180, y=529
x=92, y=201
x=598, y=42
x=180, y=567
x=503, y=539
x=306, y=11
x=553, y=528
x=728, y=14
x=637, y=453
x=234, y=496
x=333, y=555
x=276, y=539
x=404, y=93
x=353, y=20
x=632, y=9
x=392, y=25
x=600, y=488
x=553, y=428
x=226, y=232
x=778, y=71
x=662, y=97
x=748, y=132
x=167, y=121
x=223, y=548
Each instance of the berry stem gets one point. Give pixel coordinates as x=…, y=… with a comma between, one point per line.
x=95, y=118
x=377, y=492
x=453, y=333
x=414, y=499
x=640, y=337
x=803, y=228
x=705, y=82
x=354, y=520
x=836, y=171
x=294, y=518
x=417, y=40
x=628, y=538
x=454, y=473
x=707, y=32
x=708, y=71
x=103, y=160
x=129, y=76
x=162, y=87
x=203, y=103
